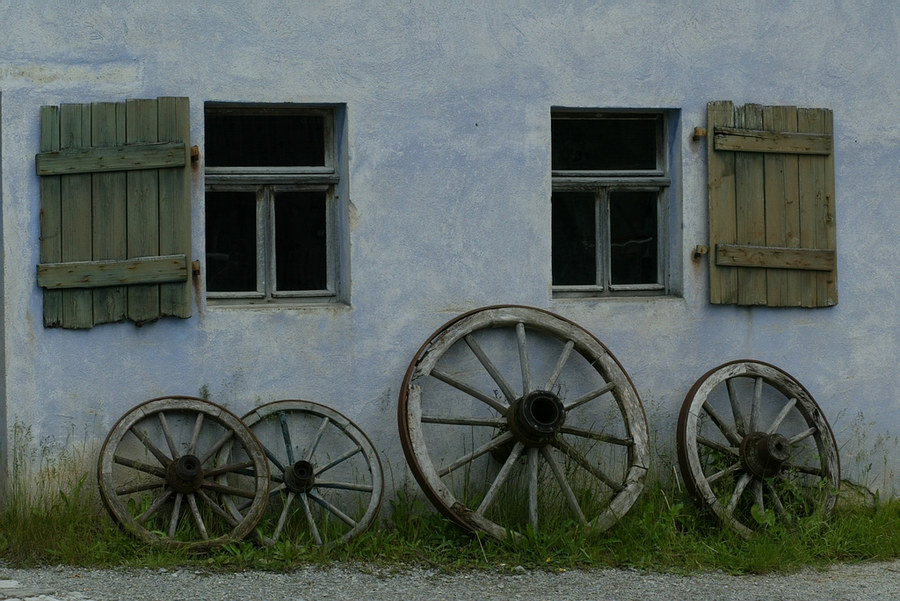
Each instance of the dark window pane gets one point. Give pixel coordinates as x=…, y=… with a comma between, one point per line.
x=634, y=237
x=603, y=144
x=259, y=140
x=574, y=239
x=231, y=241
x=300, y=241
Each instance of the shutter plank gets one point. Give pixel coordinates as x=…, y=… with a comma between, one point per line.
x=75, y=213
x=722, y=280
x=811, y=182
x=775, y=258
x=102, y=274
x=131, y=157
x=777, y=192
x=750, y=208
x=174, y=204
x=50, y=214
x=774, y=140
x=108, y=128
x=827, y=234
x=142, y=189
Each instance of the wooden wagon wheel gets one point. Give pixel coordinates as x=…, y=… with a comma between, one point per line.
x=511, y=417
x=161, y=477
x=753, y=447
x=326, y=480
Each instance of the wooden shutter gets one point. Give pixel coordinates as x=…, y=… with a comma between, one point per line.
x=115, y=212
x=771, y=206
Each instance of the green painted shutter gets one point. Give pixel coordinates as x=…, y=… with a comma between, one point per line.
x=771, y=206
x=115, y=212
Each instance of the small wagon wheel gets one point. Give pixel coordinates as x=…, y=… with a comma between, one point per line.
x=753, y=446
x=512, y=416
x=326, y=480
x=162, y=479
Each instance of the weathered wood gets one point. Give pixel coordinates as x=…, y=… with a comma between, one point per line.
x=750, y=211
x=771, y=257
x=109, y=241
x=50, y=214
x=175, y=204
x=75, y=232
x=97, y=274
x=760, y=140
x=142, y=189
x=722, y=280
x=129, y=157
x=781, y=190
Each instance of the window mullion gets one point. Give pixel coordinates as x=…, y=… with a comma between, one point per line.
x=263, y=250
x=603, y=238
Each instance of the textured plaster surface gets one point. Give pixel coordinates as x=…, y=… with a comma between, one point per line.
x=448, y=165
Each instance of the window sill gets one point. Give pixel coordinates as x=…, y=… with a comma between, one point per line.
x=244, y=304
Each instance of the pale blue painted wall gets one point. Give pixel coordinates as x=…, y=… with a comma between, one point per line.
x=448, y=135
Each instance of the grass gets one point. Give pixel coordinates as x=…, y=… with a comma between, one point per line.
x=663, y=531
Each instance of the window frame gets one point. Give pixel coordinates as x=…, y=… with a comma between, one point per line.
x=265, y=182
x=603, y=183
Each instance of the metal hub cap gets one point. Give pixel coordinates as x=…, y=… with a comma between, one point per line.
x=185, y=474
x=764, y=454
x=300, y=477
x=537, y=417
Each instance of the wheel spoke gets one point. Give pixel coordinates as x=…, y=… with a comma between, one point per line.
x=731, y=469
x=489, y=366
x=154, y=450
x=318, y=438
x=448, y=379
x=334, y=510
x=345, y=486
x=217, y=446
x=757, y=488
x=717, y=446
x=195, y=435
x=564, y=485
x=140, y=466
x=198, y=519
x=486, y=447
x=585, y=433
x=176, y=512
x=735, y=410
x=339, y=460
x=234, y=467
x=727, y=430
x=802, y=435
x=739, y=489
x=282, y=516
x=523, y=358
x=286, y=435
x=754, y=407
x=776, y=423
x=590, y=396
x=216, y=508
x=274, y=461
x=309, y=519
x=229, y=490
x=594, y=470
x=803, y=469
x=167, y=434
x=560, y=364
x=500, y=479
x=154, y=506
x=776, y=501
x=129, y=490
x=533, y=487
x=495, y=422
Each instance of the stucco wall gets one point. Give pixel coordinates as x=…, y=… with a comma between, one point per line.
x=448, y=107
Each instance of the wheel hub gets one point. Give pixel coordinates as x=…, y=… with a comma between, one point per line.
x=536, y=418
x=300, y=477
x=764, y=454
x=185, y=474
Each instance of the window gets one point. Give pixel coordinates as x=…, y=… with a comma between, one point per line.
x=609, y=203
x=271, y=212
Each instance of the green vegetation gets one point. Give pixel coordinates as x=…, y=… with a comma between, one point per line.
x=664, y=531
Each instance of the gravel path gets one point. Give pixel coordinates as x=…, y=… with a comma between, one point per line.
x=863, y=582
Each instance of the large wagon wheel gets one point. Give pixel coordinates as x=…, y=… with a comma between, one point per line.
x=326, y=480
x=161, y=476
x=753, y=447
x=512, y=417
